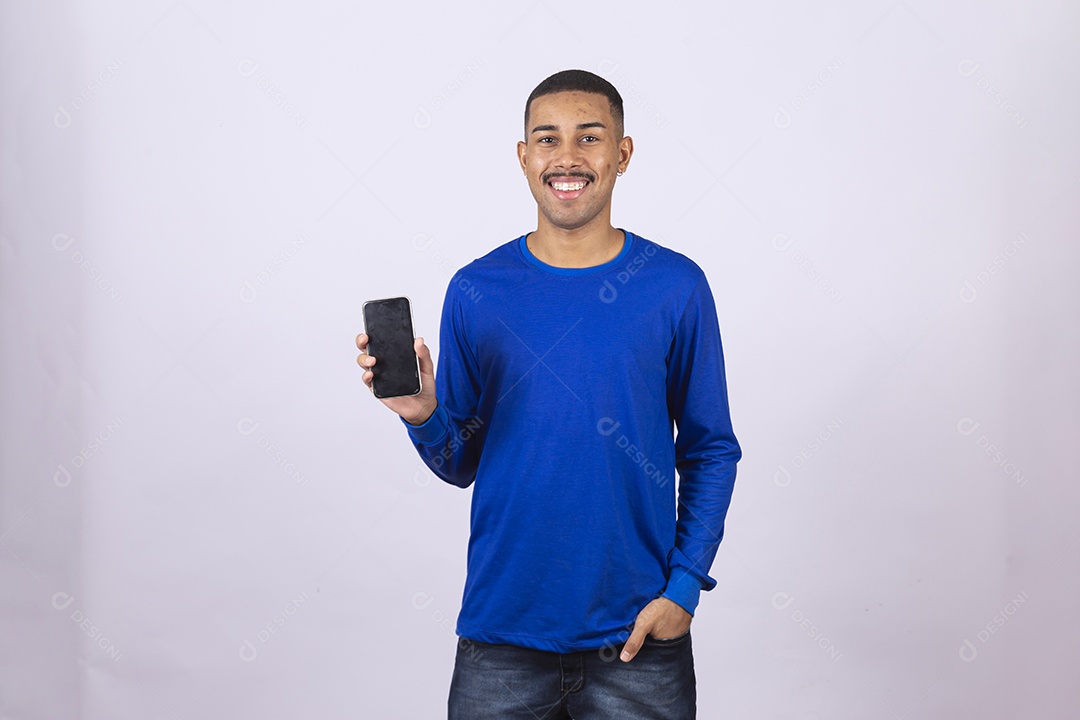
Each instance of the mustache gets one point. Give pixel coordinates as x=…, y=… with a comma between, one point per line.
x=546, y=177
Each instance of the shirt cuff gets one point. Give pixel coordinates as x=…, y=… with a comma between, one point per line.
x=683, y=589
x=431, y=430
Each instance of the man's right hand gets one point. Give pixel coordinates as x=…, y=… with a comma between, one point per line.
x=414, y=409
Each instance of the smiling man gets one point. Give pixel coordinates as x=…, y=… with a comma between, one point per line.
x=567, y=358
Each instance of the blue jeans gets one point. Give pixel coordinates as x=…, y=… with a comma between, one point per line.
x=505, y=682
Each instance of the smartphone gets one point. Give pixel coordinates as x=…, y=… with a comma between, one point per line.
x=388, y=324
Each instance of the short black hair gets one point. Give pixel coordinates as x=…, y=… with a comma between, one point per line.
x=578, y=81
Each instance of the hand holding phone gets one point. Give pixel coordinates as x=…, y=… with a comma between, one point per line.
x=398, y=368
x=388, y=325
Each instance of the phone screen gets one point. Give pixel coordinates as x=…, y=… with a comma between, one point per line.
x=388, y=324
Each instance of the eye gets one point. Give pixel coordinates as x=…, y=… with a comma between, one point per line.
x=547, y=140
x=590, y=138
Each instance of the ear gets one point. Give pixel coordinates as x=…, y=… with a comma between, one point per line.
x=626, y=149
x=521, y=148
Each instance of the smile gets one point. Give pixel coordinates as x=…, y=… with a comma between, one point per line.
x=568, y=187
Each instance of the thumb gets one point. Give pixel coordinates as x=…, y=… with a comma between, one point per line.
x=423, y=354
x=634, y=642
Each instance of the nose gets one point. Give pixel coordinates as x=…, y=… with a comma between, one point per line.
x=568, y=156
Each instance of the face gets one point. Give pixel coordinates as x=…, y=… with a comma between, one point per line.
x=571, y=156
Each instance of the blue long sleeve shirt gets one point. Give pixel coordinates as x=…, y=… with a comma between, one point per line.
x=559, y=394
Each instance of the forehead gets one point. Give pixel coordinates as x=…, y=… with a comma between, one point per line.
x=570, y=107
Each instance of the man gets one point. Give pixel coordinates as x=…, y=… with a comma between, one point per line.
x=566, y=356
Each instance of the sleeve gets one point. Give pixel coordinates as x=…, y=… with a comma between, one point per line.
x=449, y=441
x=706, y=450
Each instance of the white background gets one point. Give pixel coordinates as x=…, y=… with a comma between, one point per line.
x=198, y=196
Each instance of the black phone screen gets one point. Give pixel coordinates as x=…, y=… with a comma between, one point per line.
x=388, y=324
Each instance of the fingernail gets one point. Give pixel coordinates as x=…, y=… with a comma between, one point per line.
x=625, y=657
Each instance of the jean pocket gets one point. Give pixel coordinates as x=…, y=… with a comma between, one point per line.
x=667, y=642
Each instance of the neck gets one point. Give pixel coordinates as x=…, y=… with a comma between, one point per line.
x=587, y=246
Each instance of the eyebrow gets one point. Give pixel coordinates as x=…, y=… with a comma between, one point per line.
x=581, y=126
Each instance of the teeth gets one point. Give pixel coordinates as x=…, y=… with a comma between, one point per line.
x=567, y=187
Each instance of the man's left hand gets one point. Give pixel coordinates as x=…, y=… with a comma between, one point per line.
x=661, y=618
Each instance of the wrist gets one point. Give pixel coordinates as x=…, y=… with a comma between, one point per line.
x=683, y=589
x=422, y=417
